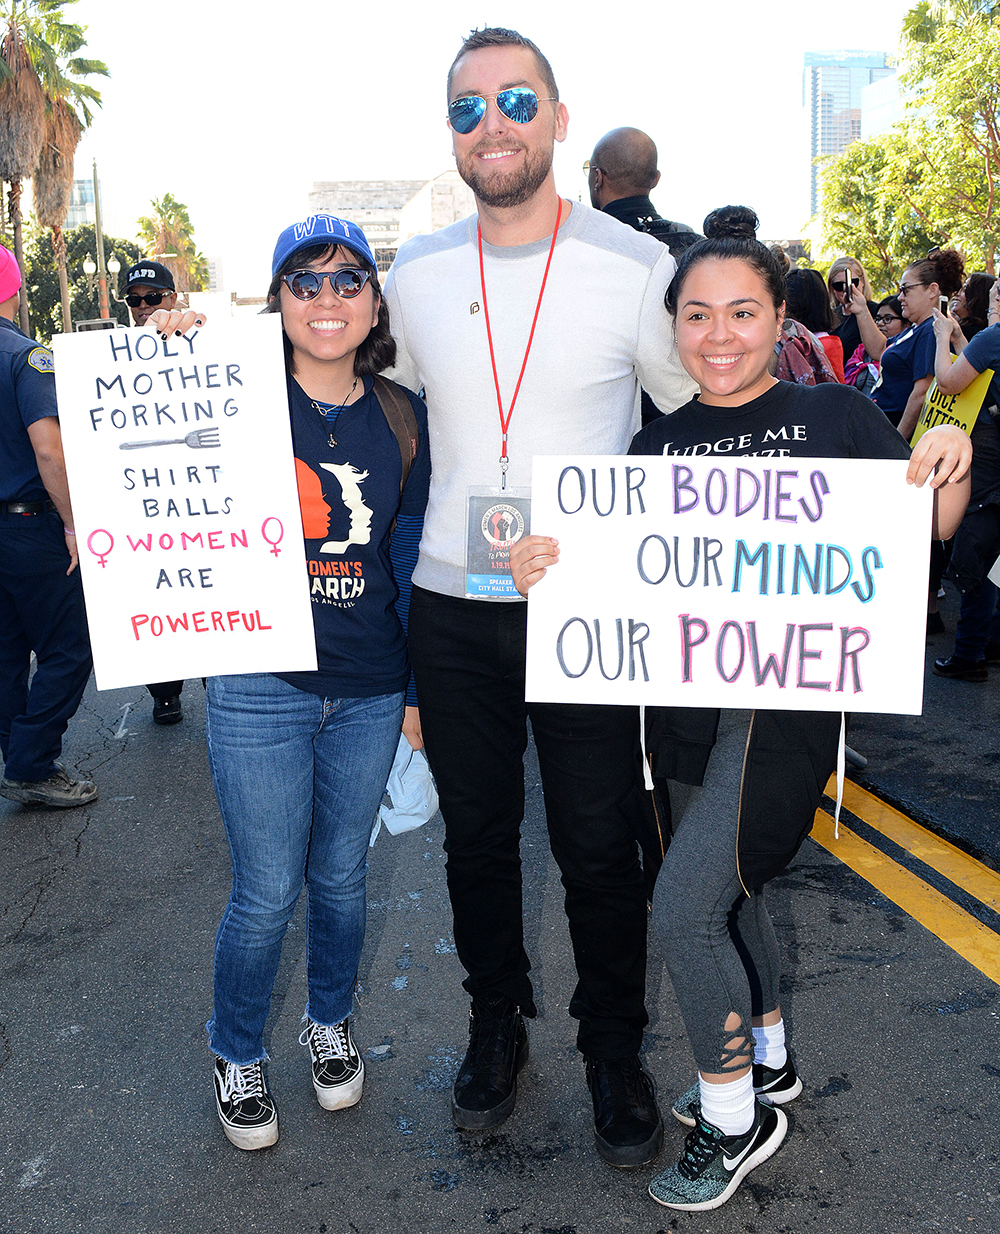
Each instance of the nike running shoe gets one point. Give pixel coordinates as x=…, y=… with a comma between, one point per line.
x=773, y=1087
x=714, y=1165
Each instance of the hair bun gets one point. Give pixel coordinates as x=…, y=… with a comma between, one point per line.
x=949, y=270
x=731, y=222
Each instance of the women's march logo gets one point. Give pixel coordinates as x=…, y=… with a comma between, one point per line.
x=502, y=525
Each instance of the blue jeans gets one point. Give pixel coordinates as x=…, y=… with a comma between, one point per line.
x=298, y=779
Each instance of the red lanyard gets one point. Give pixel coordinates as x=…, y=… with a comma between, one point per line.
x=505, y=420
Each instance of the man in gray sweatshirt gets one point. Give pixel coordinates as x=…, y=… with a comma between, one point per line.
x=530, y=327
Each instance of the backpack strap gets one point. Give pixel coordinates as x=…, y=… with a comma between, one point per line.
x=400, y=418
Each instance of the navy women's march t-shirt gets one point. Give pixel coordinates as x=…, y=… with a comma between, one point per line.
x=348, y=476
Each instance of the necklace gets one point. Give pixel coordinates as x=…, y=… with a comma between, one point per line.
x=330, y=412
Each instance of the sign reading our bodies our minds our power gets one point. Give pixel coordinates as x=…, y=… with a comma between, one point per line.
x=787, y=584
x=182, y=478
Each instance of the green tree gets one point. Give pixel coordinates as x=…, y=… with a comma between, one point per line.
x=935, y=178
x=41, y=277
x=22, y=124
x=168, y=235
x=953, y=75
x=53, y=45
x=873, y=196
x=924, y=21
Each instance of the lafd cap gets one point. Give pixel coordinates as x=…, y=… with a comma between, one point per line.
x=150, y=274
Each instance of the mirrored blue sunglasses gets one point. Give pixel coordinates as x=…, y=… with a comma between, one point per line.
x=518, y=104
x=307, y=284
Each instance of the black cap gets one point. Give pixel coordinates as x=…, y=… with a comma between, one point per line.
x=150, y=274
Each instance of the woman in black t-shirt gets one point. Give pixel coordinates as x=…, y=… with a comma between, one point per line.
x=849, y=291
x=733, y=775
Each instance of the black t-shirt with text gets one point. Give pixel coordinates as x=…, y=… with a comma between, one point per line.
x=787, y=421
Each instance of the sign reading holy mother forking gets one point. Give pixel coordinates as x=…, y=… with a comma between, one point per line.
x=182, y=478
x=776, y=583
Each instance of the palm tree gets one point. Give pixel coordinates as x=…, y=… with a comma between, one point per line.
x=52, y=45
x=52, y=185
x=22, y=127
x=168, y=235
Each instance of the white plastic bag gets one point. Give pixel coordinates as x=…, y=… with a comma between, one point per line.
x=413, y=797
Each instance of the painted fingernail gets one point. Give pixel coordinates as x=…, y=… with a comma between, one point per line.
x=198, y=321
x=163, y=335
x=177, y=332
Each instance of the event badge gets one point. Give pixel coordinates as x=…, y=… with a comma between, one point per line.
x=495, y=520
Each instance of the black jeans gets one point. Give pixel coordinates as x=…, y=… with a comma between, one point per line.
x=468, y=659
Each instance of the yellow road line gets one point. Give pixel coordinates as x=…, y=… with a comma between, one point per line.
x=958, y=867
x=953, y=925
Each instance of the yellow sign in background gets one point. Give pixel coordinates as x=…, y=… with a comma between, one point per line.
x=959, y=409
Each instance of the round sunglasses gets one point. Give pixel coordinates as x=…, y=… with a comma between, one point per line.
x=347, y=282
x=152, y=298
x=517, y=103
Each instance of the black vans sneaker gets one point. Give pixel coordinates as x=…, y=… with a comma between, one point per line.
x=246, y=1110
x=338, y=1069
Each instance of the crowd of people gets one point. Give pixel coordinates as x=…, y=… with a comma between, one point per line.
x=622, y=299
x=894, y=349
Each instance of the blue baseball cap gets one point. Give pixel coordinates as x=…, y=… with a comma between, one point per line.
x=321, y=229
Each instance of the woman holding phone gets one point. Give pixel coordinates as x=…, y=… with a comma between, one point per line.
x=743, y=786
x=908, y=359
x=849, y=289
x=300, y=760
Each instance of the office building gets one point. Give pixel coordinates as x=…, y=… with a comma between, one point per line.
x=81, y=203
x=832, y=83
x=390, y=211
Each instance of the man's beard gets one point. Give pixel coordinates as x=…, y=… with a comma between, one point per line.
x=503, y=191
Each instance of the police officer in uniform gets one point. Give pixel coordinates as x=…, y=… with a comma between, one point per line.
x=41, y=598
x=149, y=286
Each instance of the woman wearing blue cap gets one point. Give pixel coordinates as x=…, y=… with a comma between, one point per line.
x=300, y=760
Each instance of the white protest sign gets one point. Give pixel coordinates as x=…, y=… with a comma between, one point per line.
x=181, y=474
x=791, y=584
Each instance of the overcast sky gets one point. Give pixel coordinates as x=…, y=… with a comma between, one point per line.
x=236, y=109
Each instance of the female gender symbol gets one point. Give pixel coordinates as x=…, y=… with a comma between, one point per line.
x=281, y=533
x=98, y=552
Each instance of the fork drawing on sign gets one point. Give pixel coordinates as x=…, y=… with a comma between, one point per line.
x=200, y=439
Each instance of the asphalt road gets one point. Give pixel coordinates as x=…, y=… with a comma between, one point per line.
x=109, y=1126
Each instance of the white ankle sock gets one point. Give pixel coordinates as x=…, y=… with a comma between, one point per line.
x=769, y=1045
x=729, y=1106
